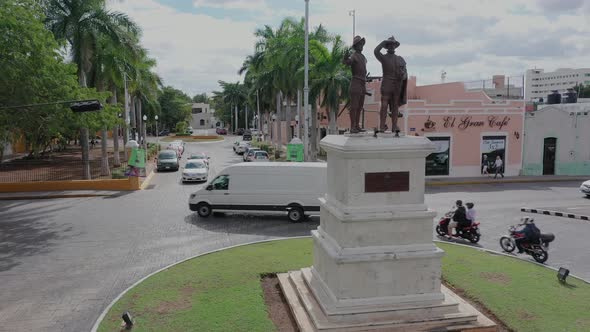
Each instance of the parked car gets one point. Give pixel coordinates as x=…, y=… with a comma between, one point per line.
x=235, y=146
x=260, y=156
x=293, y=188
x=248, y=155
x=585, y=188
x=164, y=132
x=247, y=136
x=221, y=131
x=178, y=146
x=241, y=148
x=199, y=156
x=167, y=160
x=190, y=130
x=195, y=170
x=239, y=132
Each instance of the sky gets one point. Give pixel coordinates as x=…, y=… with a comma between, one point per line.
x=199, y=42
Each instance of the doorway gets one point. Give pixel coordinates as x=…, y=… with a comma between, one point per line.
x=549, y=147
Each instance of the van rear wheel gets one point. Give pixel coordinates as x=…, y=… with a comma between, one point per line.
x=204, y=210
x=296, y=214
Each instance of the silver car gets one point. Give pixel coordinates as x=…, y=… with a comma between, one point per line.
x=195, y=170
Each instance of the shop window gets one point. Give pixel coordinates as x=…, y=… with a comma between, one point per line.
x=437, y=163
x=491, y=148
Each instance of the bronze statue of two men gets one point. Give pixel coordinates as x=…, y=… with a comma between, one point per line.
x=393, y=84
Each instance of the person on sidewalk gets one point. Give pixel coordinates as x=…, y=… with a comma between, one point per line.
x=459, y=217
x=499, y=166
x=484, y=165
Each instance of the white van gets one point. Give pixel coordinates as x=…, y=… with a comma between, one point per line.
x=294, y=188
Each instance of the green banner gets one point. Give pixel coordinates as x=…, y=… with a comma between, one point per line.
x=295, y=152
x=137, y=158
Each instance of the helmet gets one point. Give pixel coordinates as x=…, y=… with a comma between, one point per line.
x=527, y=220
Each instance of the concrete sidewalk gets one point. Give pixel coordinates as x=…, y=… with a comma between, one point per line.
x=509, y=179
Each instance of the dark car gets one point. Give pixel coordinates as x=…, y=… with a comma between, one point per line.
x=164, y=132
x=167, y=160
x=247, y=135
x=221, y=131
x=240, y=131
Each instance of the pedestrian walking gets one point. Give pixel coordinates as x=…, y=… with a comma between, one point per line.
x=499, y=166
x=484, y=165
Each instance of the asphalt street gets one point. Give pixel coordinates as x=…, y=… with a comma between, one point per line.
x=63, y=261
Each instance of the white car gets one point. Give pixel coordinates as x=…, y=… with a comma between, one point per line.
x=241, y=148
x=199, y=156
x=195, y=170
x=260, y=156
x=585, y=188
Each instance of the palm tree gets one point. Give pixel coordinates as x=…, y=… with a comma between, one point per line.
x=82, y=23
x=233, y=95
x=330, y=78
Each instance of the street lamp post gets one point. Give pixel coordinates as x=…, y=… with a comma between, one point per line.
x=353, y=14
x=306, y=87
x=157, y=133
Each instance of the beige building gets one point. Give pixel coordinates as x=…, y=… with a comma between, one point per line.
x=203, y=117
x=539, y=83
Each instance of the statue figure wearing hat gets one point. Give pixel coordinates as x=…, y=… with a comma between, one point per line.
x=394, y=83
x=358, y=89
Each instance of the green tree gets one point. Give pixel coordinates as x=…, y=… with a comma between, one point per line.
x=32, y=71
x=175, y=106
x=201, y=98
x=82, y=23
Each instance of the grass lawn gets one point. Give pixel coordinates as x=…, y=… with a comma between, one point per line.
x=221, y=291
x=192, y=139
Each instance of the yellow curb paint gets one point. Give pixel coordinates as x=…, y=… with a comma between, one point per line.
x=129, y=184
x=147, y=180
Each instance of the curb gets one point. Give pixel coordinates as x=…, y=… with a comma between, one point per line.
x=147, y=181
x=457, y=183
x=22, y=198
x=556, y=213
x=106, y=310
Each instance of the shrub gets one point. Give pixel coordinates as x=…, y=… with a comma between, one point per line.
x=181, y=128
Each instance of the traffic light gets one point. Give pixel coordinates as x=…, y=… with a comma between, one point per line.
x=86, y=106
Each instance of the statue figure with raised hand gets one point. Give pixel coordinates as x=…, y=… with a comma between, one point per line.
x=393, y=84
x=358, y=89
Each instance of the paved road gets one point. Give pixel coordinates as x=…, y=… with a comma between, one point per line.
x=62, y=261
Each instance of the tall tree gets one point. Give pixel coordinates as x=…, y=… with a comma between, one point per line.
x=82, y=23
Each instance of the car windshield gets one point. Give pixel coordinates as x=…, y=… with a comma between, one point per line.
x=195, y=165
x=167, y=155
x=197, y=156
x=261, y=155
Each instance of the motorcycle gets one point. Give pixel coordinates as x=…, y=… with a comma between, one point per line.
x=538, y=250
x=470, y=232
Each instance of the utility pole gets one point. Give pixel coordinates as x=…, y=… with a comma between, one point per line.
x=306, y=139
x=259, y=124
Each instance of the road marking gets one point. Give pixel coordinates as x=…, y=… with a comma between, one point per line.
x=556, y=213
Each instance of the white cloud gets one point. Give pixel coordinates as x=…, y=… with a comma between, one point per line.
x=470, y=39
x=231, y=4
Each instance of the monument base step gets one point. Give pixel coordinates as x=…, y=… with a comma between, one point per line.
x=310, y=317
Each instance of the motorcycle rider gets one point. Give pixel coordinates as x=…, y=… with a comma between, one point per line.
x=459, y=217
x=470, y=215
x=530, y=231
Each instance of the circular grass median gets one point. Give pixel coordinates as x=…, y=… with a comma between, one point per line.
x=192, y=139
x=222, y=291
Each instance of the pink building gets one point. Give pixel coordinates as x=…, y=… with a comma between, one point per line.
x=468, y=128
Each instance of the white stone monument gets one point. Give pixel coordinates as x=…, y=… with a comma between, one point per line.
x=375, y=264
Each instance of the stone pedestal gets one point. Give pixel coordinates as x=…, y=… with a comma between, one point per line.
x=375, y=264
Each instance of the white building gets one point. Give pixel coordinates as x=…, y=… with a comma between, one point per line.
x=539, y=84
x=203, y=117
x=556, y=140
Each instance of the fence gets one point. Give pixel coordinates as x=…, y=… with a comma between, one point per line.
x=511, y=87
x=58, y=169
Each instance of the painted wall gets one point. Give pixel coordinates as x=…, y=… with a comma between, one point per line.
x=570, y=124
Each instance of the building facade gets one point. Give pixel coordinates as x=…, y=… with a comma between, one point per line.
x=467, y=127
x=539, y=84
x=203, y=117
x=556, y=140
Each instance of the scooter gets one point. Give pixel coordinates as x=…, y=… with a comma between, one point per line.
x=470, y=233
x=539, y=250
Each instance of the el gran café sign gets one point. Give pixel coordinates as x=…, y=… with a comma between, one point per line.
x=465, y=122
